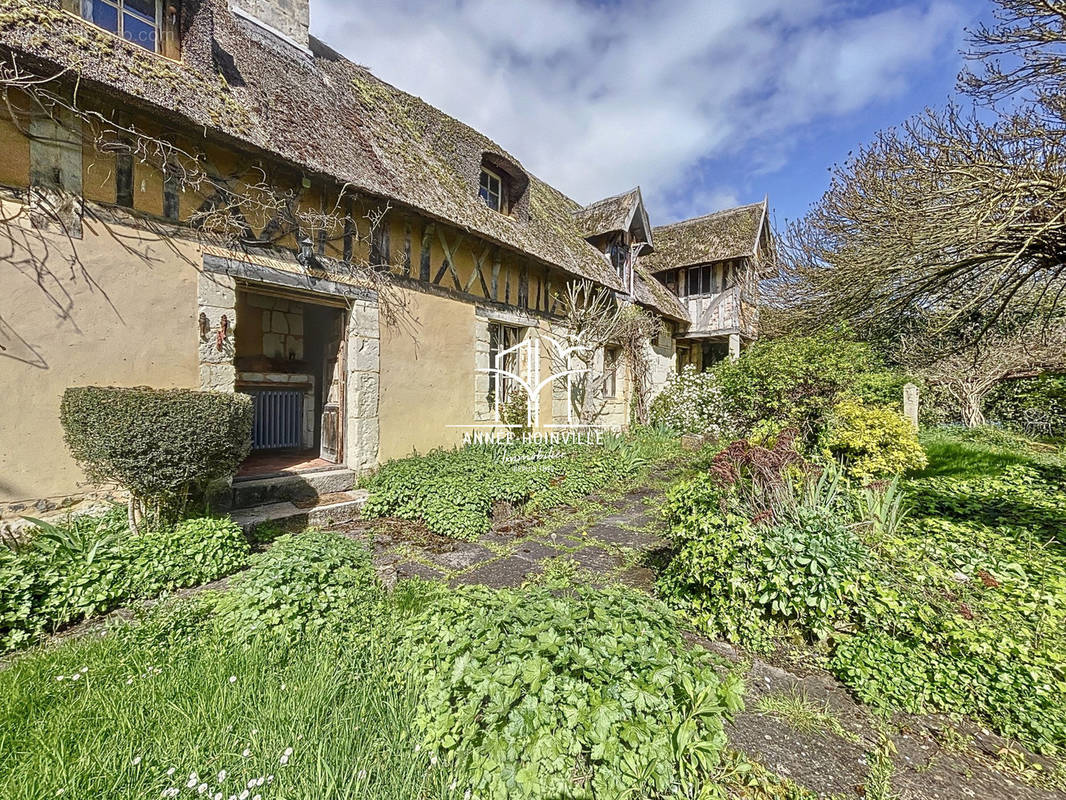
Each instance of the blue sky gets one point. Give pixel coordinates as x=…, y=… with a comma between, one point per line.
x=704, y=103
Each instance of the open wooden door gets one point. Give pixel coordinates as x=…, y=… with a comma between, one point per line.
x=333, y=384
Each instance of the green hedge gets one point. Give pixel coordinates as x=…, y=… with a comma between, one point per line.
x=92, y=564
x=163, y=445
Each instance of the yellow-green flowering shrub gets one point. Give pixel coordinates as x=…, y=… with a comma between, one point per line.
x=871, y=441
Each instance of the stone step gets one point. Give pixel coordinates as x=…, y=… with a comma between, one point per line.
x=338, y=511
x=301, y=486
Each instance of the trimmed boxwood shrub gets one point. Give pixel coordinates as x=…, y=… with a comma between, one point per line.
x=165, y=446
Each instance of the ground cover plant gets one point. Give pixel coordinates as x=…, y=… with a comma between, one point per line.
x=580, y=694
x=453, y=491
x=945, y=591
x=306, y=679
x=89, y=564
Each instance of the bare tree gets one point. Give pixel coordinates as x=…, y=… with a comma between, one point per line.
x=1024, y=347
x=594, y=320
x=1022, y=53
x=590, y=317
x=941, y=208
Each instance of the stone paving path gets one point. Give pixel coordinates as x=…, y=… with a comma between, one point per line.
x=799, y=724
x=604, y=541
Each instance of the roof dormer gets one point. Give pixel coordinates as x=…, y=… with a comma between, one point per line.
x=503, y=186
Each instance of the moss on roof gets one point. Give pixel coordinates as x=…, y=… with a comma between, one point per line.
x=732, y=233
x=321, y=112
x=608, y=215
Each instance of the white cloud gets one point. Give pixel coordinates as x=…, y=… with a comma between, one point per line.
x=598, y=98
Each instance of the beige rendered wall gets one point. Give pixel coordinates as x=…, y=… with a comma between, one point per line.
x=427, y=371
x=131, y=321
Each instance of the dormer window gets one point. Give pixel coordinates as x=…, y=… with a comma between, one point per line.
x=137, y=21
x=491, y=190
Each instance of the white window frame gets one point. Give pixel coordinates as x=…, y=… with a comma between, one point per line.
x=488, y=190
x=119, y=6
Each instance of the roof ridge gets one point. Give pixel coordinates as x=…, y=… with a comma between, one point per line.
x=602, y=200
x=703, y=217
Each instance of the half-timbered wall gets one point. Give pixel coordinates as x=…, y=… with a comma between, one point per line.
x=138, y=317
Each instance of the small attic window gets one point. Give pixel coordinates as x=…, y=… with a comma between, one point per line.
x=491, y=189
x=137, y=21
x=502, y=186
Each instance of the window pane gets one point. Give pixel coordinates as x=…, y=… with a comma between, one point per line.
x=105, y=15
x=491, y=200
x=144, y=8
x=138, y=31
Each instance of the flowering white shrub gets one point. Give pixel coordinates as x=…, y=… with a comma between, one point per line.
x=691, y=402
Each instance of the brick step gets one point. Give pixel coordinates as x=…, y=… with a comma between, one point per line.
x=338, y=509
x=304, y=486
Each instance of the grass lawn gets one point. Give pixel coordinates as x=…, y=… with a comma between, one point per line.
x=132, y=715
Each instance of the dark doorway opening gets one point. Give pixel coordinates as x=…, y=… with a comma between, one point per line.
x=290, y=358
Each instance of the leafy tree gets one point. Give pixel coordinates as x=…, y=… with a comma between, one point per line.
x=798, y=380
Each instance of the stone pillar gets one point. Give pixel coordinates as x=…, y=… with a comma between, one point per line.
x=364, y=379
x=734, y=346
x=910, y=403
x=483, y=409
x=217, y=298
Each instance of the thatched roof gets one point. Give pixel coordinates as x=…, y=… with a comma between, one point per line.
x=732, y=233
x=615, y=214
x=319, y=112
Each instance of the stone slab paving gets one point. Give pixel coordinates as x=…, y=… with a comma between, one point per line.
x=619, y=547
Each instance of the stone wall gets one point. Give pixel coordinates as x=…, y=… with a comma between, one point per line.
x=289, y=17
x=363, y=432
x=217, y=299
x=281, y=330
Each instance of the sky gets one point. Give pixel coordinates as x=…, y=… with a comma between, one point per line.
x=704, y=104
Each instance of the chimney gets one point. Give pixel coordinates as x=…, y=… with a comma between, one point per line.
x=286, y=19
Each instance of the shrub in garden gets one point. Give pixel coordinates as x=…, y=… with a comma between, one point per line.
x=798, y=380
x=91, y=564
x=301, y=585
x=811, y=568
x=741, y=577
x=164, y=446
x=872, y=442
x=586, y=694
x=691, y=402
